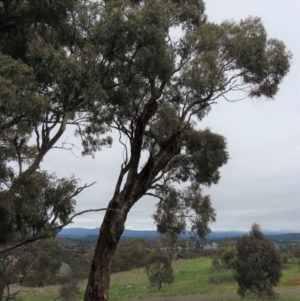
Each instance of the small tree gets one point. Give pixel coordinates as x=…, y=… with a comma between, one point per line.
x=159, y=269
x=228, y=257
x=257, y=264
x=215, y=266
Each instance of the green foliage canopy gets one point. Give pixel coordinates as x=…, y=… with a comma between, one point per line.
x=46, y=82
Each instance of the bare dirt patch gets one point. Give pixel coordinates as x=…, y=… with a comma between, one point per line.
x=291, y=282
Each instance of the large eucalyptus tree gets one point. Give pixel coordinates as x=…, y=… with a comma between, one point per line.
x=116, y=64
x=161, y=88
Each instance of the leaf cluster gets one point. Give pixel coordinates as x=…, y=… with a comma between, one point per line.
x=181, y=209
x=38, y=202
x=44, y=262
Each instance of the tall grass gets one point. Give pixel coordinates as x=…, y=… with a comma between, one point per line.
x=222, y=277
x=192, y=277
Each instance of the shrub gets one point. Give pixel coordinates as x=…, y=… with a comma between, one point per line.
x=257, y=265
x=215, y=266
x=69, y=292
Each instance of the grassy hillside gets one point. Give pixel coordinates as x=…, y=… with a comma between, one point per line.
x=192, y=277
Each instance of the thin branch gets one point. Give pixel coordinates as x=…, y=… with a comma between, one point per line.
x=125, y=152
x=11, y=123
x=154, y=195
x=83, y=212
x=234, y=100
x=68, y=148
x=80, y=189
x=197, y=102
x=50, y=232
x=124, y=170
x=38, y=145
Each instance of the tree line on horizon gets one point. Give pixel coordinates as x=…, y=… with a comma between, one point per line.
x=253, y=261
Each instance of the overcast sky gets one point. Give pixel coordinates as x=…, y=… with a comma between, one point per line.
x=261, y=181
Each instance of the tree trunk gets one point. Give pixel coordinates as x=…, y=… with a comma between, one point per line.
x=111, y=230
x=2, y=287
x=159, y=285
x=135, y=186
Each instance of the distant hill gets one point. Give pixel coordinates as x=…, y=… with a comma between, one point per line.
x=215, y=235
x=285, y=237
x=78, y=232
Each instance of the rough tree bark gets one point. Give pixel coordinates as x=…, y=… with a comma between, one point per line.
x=111, y=231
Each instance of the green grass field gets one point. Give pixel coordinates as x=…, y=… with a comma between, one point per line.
x=192, y=277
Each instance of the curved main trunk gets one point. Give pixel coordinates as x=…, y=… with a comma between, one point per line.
x=111, y=230
x=114, y=221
